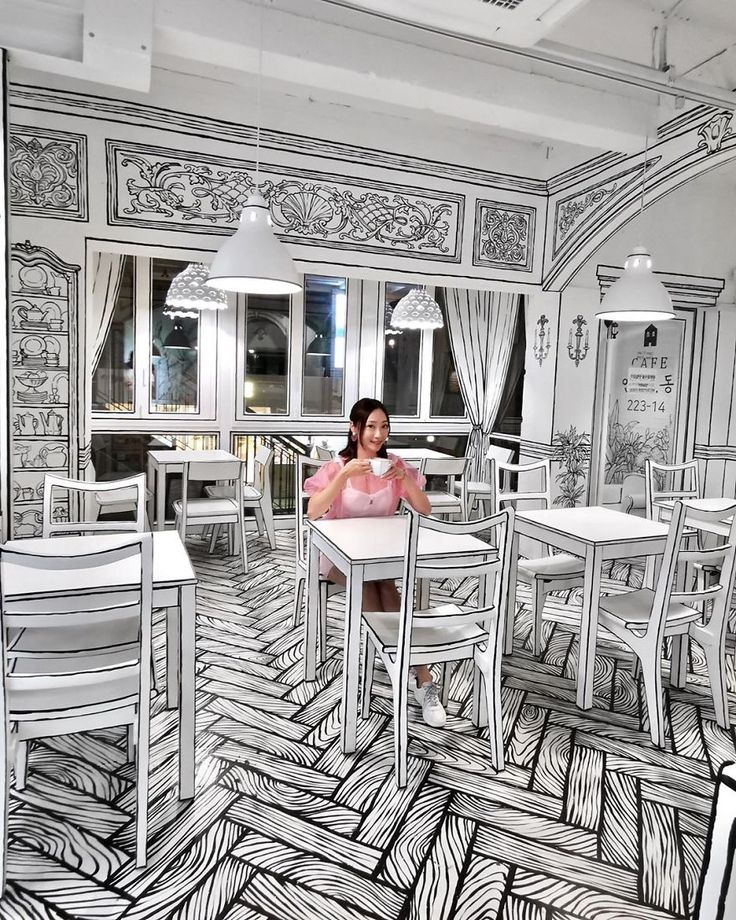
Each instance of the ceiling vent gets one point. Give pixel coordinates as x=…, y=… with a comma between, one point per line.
x=504, y=4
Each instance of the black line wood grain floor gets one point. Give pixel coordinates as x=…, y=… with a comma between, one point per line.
x=587, y=822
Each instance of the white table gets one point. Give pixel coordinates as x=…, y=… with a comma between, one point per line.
x=364, y=549
x=161, y=462
x=664, y=508
x=416, y=455
x=596, y=534
x=174, y=587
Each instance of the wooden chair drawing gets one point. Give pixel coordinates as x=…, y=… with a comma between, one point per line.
x=128, y=494
x=643, y=619
x=256, y=496
x=228, y=510
x=78, y=662
x=553, y=572
x=446, y=632
x=481, y=493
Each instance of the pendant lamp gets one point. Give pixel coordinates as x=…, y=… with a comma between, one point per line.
x=417, y=310
x=637, y=296
x=253, y=260
x=177, y=338
x=189, y=294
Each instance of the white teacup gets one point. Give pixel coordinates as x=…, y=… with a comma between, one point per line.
x=380, y=465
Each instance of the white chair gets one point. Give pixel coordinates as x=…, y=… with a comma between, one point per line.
x=118, y=503
x=77, y=663
x=453, y=470
x=130, y=492
x=200, y=512
x=481, y=493
x=323, y=453
x=716, y=896
x=306, y=467
x=445, y=633
x=256, y=496
x=554, y=572
x=642, y=619
x=673, y=481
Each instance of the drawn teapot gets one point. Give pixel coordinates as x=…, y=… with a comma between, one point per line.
x=53, y=456
x=32, y=314
x=52, y=422
x=25, y=423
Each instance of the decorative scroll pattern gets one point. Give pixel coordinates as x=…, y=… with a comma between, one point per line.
x=504, y=235
x=572, y=209
x=43, y=304
x=48, y=173
x=156, y=187
x=713, y=134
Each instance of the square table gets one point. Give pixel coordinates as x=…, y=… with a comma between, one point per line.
x=365, y=549
x=174, y=586
x=596, y=534
x=663, y=508
x=161, y=462
x=416, y=455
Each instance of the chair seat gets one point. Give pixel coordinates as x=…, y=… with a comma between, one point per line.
x=477, y=488
x=634, y=609
x=123, y=497
x=425, y=639
x=207, y=507
x=444, y=499
x=250, y=493
x=560, y=566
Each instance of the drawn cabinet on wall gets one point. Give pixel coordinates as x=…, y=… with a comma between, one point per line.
x=43, y=363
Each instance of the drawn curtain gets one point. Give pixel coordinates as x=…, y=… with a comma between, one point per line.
x=105, y=287
x=481, y=326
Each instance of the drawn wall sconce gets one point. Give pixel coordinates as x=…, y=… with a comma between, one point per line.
x=611, y=328
x=578, y=351
x=542, y=338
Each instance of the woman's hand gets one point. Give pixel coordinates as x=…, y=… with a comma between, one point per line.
x=355, y=467
x=395, y=472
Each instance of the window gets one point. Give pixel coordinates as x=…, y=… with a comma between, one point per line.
x=113, y=379
x=419, y=377
x=267, y=336
x=150, y=361
x=325, y=314
x=401, y=357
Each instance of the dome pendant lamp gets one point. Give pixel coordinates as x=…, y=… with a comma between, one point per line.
x=637, y=296
x=253, y=260
x=417, y=310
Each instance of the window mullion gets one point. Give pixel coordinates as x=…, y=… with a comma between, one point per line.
x=142, y=335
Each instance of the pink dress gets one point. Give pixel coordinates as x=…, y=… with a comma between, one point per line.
x=362, y=496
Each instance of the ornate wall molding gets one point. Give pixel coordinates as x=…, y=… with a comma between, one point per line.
x=47, y=173
x=504, y=235
x=158, y=187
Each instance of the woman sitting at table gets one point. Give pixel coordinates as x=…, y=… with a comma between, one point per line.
x=347, y=487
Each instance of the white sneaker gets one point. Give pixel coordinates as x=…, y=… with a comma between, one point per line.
x=428, y=697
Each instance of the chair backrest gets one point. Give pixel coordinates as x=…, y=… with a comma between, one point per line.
x=323, y=453
x=19, y=609
x=305, y=467
x=131, y=489
x=262, y=474
x=670, y=481
x=449, y=468
x=205, y=471
x=539, y=493
x=492, y=568
x=722, y=555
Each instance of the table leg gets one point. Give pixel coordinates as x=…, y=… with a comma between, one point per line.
x=173, y=615
x=311, y=611
x=160, y=497
x=589, y=626
x=187, y=633
x=351, y=659
x=508, y=641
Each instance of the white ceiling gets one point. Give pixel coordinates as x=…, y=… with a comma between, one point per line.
x=597, y=74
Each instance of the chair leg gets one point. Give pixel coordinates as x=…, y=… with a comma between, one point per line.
x=21, y=764
x=243, y=542
x=401, y=728
x=214, y=534
x=141, y=810
x=367, y=668
x=131, y=743
x=495, y=719
x=267, y=512
x=538, y=607
x=678, y=663
x=445, y=687
x=260, y=523
x=715, y=662
x=479, y=715
x=298, y=600
x=652, y=671
x=323, y=619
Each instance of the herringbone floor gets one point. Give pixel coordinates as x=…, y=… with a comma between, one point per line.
x=587, y=821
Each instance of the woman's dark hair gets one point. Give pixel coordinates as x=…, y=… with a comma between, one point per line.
x=359, y=416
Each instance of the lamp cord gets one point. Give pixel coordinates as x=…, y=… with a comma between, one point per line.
x=258, y=95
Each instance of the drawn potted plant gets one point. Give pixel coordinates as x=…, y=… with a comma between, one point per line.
x=572, y=452
x=629, y=446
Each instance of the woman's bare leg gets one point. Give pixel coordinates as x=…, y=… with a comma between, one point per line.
x=371, y=597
